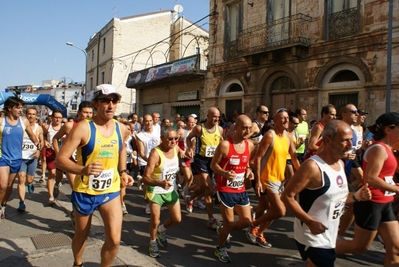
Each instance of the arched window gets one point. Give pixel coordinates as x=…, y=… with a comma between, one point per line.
x=344, y=76
x=234, y=88
x=282, y=83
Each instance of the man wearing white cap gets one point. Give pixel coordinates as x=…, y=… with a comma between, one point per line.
x=100, y=170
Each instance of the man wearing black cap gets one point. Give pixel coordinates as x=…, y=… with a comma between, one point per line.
x=100, y=171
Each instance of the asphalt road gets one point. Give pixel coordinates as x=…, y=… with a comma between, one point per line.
x=191, y=243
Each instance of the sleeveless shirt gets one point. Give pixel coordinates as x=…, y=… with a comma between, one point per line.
x=167, y=170
x=274, y=161
x=237, y=162
x=386, y=174
x=28, y=147
x=11, y=139
x=324, y=204
x=103, y=149
x=207, y=142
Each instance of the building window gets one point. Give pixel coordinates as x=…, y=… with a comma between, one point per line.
x=92, y=55
x=91, y=84
x=342, y=18
x=102, y=77
x=197, y=50
x=344, y=76
x=104, y=45
x=234, y=88
x=282, y=83
x=233, y=26
x=278, y=26
x=339, y=100
x=74, y=106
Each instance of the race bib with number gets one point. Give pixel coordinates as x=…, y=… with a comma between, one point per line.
x=170, y=176
x=238, y=181
x=389, y=180
x=210, y=151
x=103, y=181
x=28, y=146
x=337, y=208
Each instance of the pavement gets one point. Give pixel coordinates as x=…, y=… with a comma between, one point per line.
x=42, y=235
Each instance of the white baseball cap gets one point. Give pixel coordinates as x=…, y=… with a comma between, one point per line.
x=193, y=115
x=103, y=90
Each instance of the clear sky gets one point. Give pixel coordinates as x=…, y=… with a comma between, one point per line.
x=34, y=34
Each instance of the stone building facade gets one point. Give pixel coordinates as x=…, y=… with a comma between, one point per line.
x=131, y=44
x=301, y=54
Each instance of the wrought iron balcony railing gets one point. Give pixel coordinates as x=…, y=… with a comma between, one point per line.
x=286, y=32
x=343, y=23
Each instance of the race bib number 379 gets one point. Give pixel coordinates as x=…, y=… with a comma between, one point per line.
x=103, y=181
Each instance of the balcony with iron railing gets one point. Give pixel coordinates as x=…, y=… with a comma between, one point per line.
x=343, y=23
x=282, y=33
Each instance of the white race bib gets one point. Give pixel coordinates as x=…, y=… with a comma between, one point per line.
x=238, y=181
x=103, y=181
x=337, y=208
x=389, y=180
x=169, y=176
x=210, y=151
x=28, y=146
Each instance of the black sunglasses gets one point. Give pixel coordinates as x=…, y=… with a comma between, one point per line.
x=353, y=111
x=173, y=138
x=265, y=111
x=109, y=100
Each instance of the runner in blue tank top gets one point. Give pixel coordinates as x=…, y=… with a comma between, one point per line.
x=12, y=127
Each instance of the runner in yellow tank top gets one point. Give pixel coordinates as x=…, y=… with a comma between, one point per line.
x=269, y=166
x=101, y=169
x=208, y=136
x=102, y=149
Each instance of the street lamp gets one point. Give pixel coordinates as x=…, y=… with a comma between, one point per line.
x=84, y=52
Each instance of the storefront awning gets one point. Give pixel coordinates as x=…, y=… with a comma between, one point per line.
x=185, y=103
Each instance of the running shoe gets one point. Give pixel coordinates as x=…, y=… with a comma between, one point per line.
x=161, y=239
x=213, y=223
x=56, y=191
x=31, y=188
x=252, y=233
x=227, y=242
x=189, y=204
x=72, y=217
x=21, y=207
x=199, y=204
x=124, y=210
x=261, y=241
x=221, y=254
x=41, y=180
x=76, y=265
x=51, y=201
x=153, y=250
x=3, y=212
x=147, y=209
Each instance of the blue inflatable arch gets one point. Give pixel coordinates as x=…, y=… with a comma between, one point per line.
x=37, y=99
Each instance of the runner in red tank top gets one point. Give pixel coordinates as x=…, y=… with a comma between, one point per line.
x=231, y=166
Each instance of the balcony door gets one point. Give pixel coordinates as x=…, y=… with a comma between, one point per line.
x=278, y=24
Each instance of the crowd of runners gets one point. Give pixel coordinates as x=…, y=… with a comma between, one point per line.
x=330, y=174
